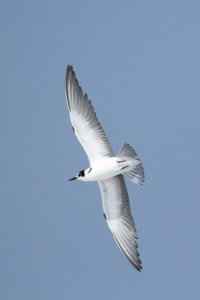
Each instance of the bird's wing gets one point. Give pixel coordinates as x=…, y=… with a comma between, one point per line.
x=84, y=120
x=116, y=208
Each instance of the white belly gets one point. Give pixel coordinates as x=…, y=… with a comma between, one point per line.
x=107, y=167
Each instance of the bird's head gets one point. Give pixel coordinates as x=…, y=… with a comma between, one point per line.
x=81, y=175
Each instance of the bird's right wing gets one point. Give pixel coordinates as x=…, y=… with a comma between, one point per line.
x=116, y=208
x=84, y=121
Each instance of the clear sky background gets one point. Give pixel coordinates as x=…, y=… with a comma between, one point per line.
x=139, y=62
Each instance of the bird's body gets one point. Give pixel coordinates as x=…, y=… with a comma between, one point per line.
x=106, y=168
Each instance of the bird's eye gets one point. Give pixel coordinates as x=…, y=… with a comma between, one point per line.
x=81, y=173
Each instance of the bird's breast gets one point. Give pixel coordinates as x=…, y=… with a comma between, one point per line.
x=103, y=169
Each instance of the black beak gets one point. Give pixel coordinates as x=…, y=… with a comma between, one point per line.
x=73, y=178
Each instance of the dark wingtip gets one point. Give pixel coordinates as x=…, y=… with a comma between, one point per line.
x=138, y=264
x=69, y=72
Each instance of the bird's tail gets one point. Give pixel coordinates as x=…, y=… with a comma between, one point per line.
x=136, y=174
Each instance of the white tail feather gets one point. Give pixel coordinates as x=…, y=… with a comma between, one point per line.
x=137, y=173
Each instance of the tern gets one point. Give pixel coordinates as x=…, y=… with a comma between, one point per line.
x=106, y=168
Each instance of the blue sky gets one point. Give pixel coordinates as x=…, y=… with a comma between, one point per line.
x=139, y=63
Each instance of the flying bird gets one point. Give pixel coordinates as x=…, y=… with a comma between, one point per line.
x=106, y=168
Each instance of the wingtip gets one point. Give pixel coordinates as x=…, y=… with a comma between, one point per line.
x=68, y=70
x=137, y=266
x=136, y=263
x=139, y=269
x=69, y=73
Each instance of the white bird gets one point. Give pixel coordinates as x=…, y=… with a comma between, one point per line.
x=106, y=168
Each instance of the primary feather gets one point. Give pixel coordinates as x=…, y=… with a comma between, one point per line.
x=84, y=121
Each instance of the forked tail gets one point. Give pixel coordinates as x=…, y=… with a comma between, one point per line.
x=137, y=173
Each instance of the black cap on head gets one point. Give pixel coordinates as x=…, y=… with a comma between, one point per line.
x=80, y=174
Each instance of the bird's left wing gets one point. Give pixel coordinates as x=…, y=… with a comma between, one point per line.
x=84, y=121
x=116, y=208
